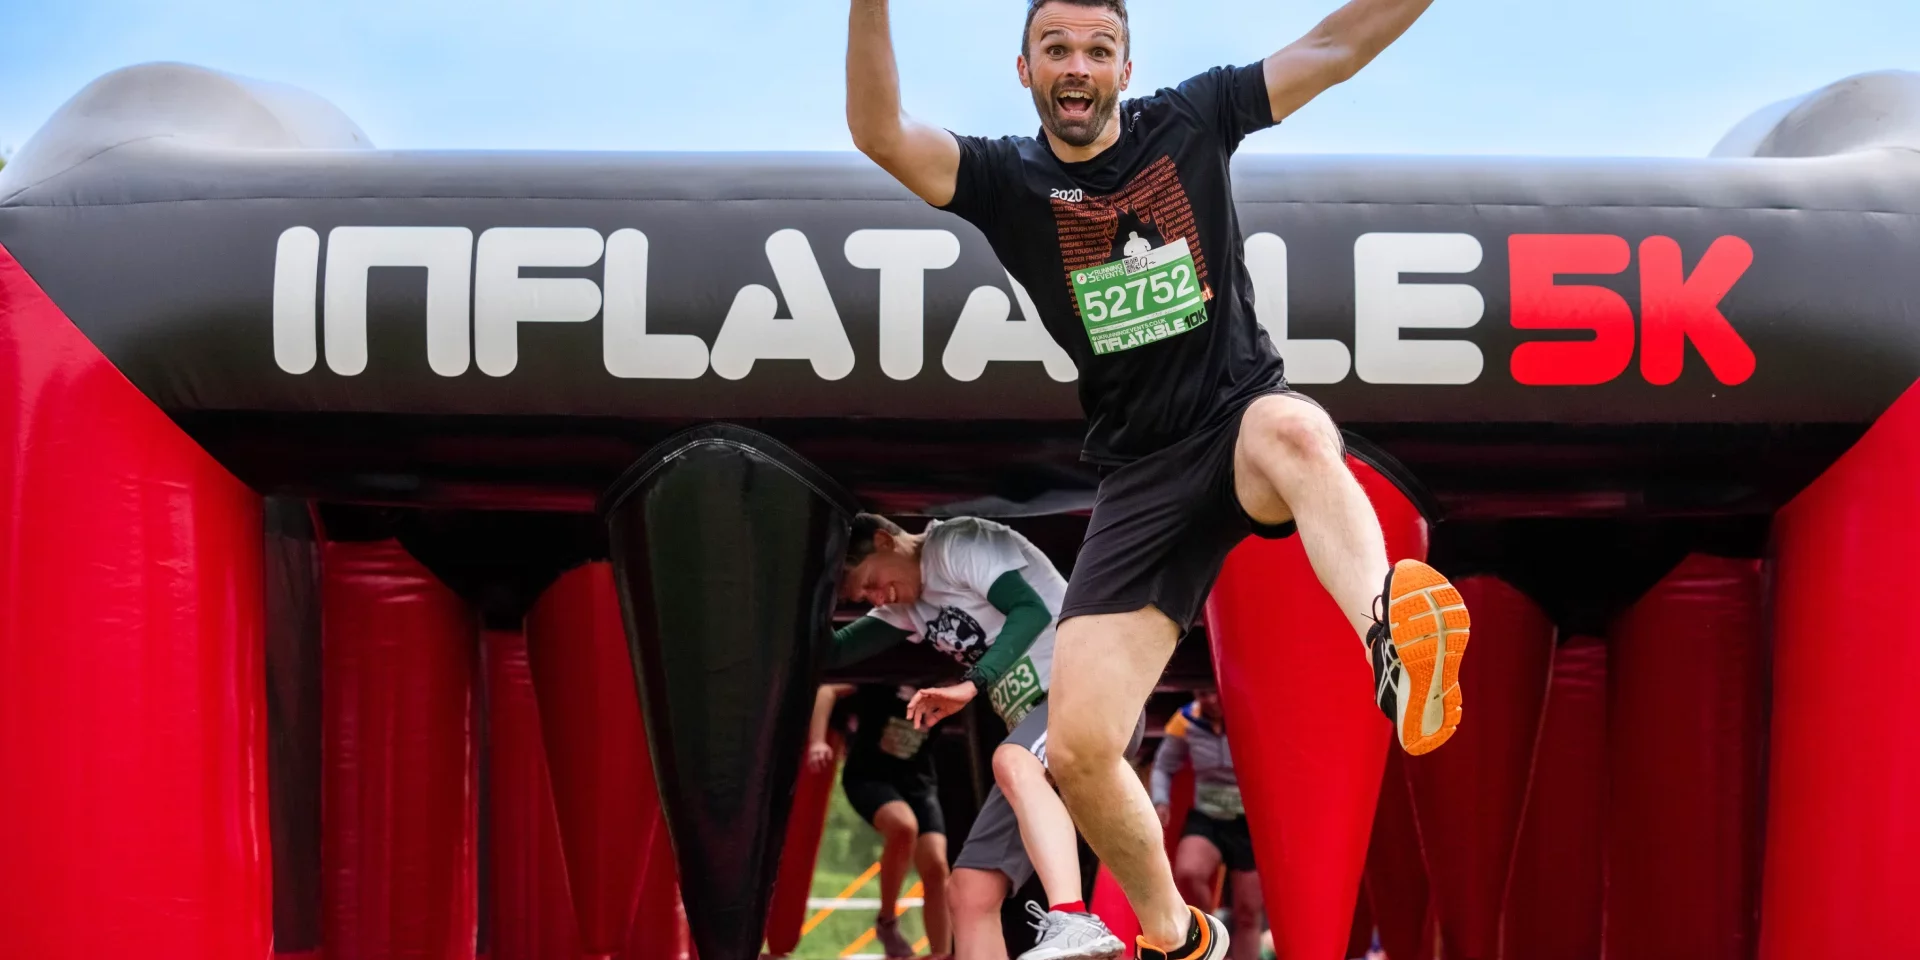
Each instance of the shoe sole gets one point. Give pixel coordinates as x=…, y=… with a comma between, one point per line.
x=1108, y=949
x=1220, y=942
x=1429, y=624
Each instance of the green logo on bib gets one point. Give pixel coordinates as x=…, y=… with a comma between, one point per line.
x=1015, y=693
x=1142, y=298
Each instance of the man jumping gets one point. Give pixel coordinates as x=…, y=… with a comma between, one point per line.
x=1119, y=221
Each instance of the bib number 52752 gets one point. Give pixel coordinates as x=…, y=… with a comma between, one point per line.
x=1158, y=288
x=1138, y=300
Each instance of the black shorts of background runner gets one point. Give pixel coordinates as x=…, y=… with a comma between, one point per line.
x=867, y=794
x=1162, y=527
x=1230, y=837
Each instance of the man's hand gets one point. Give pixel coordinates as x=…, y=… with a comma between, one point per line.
x=819, y=755
x=1335, y=50
x=934, y=704
x=924, y=158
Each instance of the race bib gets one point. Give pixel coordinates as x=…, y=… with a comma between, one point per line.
x=1219, y=801
x=1138, y=300
x=1015, y=693
x=900, y=739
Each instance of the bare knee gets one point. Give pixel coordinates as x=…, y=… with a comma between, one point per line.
x=1078, y=751
x=1017, y=770
x=975, y=893
x=896, y=824
x=1076, y=756
x=1291, y=430
x=1194, y=881
x=930, y=859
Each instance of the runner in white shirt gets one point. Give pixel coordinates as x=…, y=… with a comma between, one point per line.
x=984, y=595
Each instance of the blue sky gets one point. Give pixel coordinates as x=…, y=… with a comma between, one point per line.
x=1619, y=77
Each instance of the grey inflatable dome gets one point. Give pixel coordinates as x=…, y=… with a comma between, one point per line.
x=190, y=105
x=1869, y=111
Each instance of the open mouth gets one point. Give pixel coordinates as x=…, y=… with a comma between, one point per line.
x=1075, y=104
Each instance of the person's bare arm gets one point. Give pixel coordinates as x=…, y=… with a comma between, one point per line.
x=819, y=752
x=924, y=158
x=1335, y=50
x=823, y=700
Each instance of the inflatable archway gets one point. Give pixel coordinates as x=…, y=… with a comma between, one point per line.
x=214, y=289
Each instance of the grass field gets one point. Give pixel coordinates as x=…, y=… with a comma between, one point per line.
x=847, y=849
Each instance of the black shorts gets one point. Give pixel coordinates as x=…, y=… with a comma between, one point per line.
x=1230, y=837
x=1162, y=527
x=867, y=793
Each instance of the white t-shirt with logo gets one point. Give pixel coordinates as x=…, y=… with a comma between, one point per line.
x=959, y=562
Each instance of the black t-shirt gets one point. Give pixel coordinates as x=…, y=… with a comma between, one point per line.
x=1165, y=338
x=883, y=745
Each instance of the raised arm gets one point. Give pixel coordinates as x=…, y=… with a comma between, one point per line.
x=924, y=158
x=1335, y=50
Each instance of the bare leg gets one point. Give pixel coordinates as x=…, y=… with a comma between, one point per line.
x=930, y=860
x=975, y=897
x=1248, y=908
x=1103, y=669
x=1195, y=863
x=1287, y=465
x=1045, y=828
x=898, y=829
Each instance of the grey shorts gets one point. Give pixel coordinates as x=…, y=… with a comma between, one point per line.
x=994, y=842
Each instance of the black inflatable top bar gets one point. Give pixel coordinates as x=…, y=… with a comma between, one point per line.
x=271, y=294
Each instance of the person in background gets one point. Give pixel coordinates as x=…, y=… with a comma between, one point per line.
x=985, y=596
x=889, y=780
x=1215, y=830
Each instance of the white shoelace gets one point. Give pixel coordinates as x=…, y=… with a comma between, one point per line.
x=1034, y=910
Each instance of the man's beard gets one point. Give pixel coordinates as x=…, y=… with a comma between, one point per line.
x=1076, y=132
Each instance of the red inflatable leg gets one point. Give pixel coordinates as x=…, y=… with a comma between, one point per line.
x=1684, y=739
x=1308, y=741
x=400, y=812
x=1110, y=905
x=1844, y=775
x=1361, y=937
x=1553, y=898
x=133, y=818
x=660, y=924
x=1468, y=795
x=1397, y=889
x=596, y=748
x=533, y=917
x=811, y=798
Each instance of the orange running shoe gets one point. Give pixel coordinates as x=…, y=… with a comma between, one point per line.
x=1206, y=940
x=1416, y=649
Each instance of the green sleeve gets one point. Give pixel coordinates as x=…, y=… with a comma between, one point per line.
x=1027, y=618
x=861, y=639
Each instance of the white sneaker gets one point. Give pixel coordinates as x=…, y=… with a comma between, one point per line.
x=1071, y=936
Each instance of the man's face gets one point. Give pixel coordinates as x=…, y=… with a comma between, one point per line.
x=1209, y=702
x=887, y=575
x=1076, y=66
